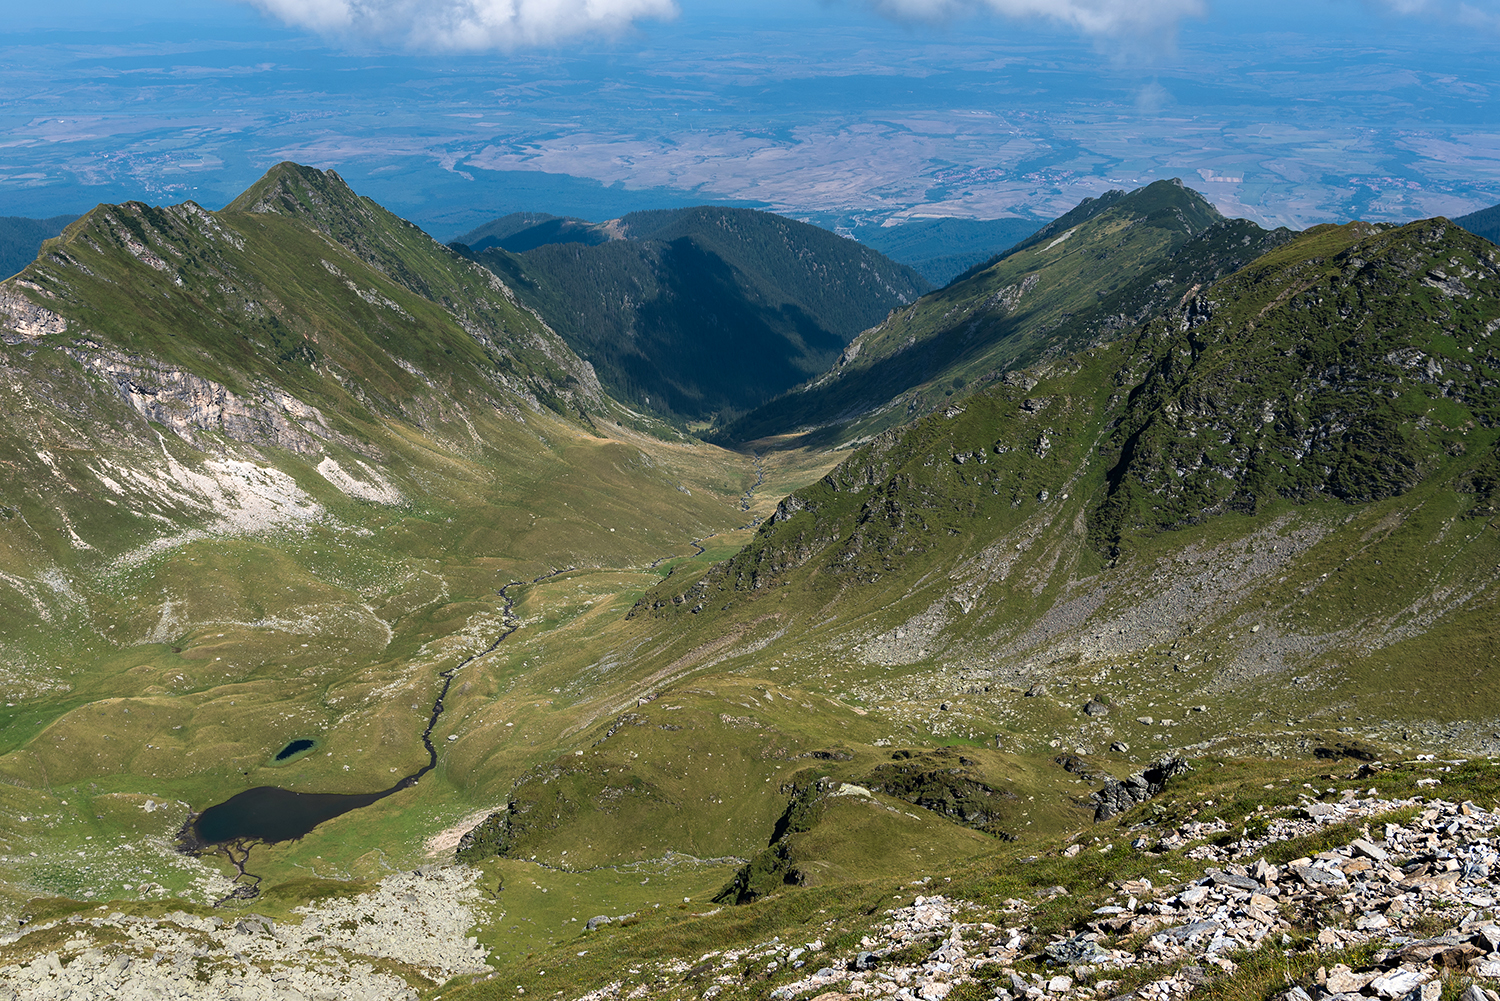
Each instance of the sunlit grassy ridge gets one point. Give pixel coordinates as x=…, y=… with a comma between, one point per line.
x=1112, y=263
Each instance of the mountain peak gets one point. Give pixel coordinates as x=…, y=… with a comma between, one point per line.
x=319, y=197
x=1167, y=204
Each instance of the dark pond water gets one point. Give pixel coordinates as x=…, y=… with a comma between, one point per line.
x=295, y=747
x=271, y=814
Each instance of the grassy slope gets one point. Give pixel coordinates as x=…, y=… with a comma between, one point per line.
x=911, y=597
x=906, y=601
x=155, y=654
x=1084, y=278
x=1060, y=547
x=671, y=937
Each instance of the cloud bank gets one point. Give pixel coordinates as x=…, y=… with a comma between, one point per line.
x=466, y=25
x=1103, y=19
x=1484, y=15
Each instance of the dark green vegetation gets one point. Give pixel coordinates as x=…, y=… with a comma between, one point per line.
x=523, y=231
x=20, y=238
x=1485, y=223
x=706, y=311
x=491, y=233
x=1107, y=266
x=942, y=249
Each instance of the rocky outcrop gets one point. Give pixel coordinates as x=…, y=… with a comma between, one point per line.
x=23, y=320
x=1388, y=884
x=185, y=403
x=1117, y=797
x=943, y=782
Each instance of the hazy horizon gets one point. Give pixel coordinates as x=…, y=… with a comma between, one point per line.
x=845, y=114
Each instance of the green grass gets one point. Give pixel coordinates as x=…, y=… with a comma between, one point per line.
x=1288, y=621
x=1054, y=293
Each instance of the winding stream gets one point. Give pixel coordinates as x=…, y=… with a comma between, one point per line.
x=269, y=814
x=760, y=477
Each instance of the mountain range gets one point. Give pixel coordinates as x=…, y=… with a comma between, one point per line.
x=702, y=312
x=1152, y=530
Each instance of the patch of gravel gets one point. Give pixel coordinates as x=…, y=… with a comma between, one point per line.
x=419, y=920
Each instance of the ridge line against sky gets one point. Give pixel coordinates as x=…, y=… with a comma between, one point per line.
x=846, y=113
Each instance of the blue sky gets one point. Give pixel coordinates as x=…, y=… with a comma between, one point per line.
x=846, y=113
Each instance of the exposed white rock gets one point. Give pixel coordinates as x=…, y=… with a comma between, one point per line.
x=374, y=487
x=22, y=319
x=417, y=918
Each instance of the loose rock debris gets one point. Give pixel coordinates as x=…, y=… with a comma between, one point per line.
x=1376, y=888
x=418, y=919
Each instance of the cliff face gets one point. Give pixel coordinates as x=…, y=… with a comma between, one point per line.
x=23, y=320
x=186, y=404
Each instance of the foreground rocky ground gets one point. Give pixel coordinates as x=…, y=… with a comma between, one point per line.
x=1377, y=898
x=366, y=948
x=1401, y=905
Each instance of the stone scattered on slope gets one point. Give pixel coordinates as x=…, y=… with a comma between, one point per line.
x=421, y=919
x=1439, y=862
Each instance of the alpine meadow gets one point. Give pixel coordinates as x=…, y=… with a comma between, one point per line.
x=698, y=603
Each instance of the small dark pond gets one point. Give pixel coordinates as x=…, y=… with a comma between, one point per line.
x=272, y=814
x=295, y=747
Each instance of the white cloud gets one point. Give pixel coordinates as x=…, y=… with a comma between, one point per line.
x=446, y=25
x=1103, y=19
x=1482, y=14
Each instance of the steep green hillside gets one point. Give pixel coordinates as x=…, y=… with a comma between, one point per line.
x=1257, y=526
x=704, y=311
x=1251, y=504
x=20, y=238
x=1485, y=223
x=1111, y=263
x=265, y=475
